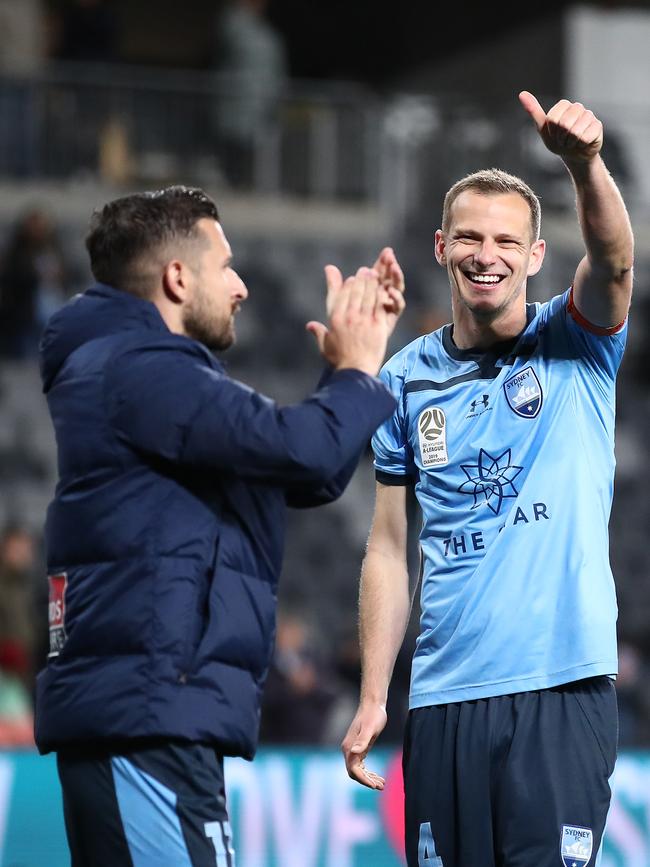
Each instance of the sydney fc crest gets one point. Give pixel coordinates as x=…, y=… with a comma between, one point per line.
x=575, y=845
x=524, y=393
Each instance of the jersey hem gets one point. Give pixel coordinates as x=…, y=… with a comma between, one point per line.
x=507, y=687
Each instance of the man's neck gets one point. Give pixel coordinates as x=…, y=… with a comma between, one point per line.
x=169, y=313
x=473, y=333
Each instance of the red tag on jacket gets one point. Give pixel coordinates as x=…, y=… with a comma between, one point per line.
x=56, y=612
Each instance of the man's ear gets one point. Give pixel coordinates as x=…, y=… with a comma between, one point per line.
x=440, y=248
x=537, y=252
x=175, y=280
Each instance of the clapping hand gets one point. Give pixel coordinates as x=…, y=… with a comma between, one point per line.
x=362, y=312
x=391, y=280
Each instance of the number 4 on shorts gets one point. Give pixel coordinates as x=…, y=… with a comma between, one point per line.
x=427, y=856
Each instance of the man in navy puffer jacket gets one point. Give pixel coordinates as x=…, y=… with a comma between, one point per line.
x=165, y=536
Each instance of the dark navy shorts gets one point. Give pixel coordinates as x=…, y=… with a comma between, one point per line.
x=156, y=806
x=512, y=781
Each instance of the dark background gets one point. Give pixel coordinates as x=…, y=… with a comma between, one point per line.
x=375, y=41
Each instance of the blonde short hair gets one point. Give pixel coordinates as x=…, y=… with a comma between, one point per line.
x=492, y=182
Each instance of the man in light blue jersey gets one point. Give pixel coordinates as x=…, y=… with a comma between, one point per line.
x=505, y=426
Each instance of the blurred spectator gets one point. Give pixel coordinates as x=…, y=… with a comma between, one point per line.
x=18, y=562
x=633, y=693
x=22, y=27
x=16, y=717
x=34, y=281
x=251, y=65
x=299, y=690
x=86, y=30
x=17, y=635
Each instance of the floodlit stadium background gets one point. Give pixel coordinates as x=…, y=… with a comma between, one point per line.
x=350, y=123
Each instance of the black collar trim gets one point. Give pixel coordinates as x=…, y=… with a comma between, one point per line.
x=497, y=350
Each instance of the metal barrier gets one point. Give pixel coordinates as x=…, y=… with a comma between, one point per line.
x=325, y=141
x=128, y=124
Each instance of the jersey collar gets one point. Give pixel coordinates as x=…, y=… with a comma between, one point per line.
x=497, y=350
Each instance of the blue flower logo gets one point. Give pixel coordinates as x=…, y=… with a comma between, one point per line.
x=491, y=480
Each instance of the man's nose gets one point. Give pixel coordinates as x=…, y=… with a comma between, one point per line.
x=241, y=290
x=486, y=253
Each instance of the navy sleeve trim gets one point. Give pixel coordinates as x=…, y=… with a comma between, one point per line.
x=394, y=479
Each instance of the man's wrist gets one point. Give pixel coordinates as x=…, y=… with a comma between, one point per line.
x=581, y=169
x=364, y=367
x=373, y=698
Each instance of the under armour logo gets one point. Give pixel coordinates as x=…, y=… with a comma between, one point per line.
x=484, y=401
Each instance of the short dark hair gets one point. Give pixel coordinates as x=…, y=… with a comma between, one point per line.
x=128, y=228
x=491, y=182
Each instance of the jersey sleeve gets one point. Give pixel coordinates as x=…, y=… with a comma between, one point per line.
x=601, y=348
x=394, y=464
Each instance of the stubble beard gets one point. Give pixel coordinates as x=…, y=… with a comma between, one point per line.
x=216, y=334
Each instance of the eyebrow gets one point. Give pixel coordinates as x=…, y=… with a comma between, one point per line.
x=472, y=233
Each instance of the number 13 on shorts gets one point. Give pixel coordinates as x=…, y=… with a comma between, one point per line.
x=427, y=856
x=221, y=836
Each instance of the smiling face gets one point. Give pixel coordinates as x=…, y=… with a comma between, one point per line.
x=217, y=291
x=489, y=252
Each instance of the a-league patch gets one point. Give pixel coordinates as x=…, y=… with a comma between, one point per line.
x=576, y=844
x=524, y=393
x=56, y=612
x=432, y=433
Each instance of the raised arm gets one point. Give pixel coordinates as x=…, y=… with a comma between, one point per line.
x=602, y=286
x=164, y=400
x=391, y=280
x=384, y=609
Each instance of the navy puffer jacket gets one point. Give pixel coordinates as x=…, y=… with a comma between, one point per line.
x=164, y=539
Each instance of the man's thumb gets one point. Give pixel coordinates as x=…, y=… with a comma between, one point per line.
x=319, y=331
x=534, y=109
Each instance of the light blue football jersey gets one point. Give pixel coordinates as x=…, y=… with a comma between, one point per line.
x=512, y=455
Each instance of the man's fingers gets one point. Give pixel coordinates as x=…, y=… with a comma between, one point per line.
x=562, y=111
x=363, y=290
x=593, y=135
x=384, y=260
x=397, y=301
x=567, y=124
x=361, y=774
x=334, y=281
x=371, y=293
x=354, y=762
x=390, y=303
x=333, y=277
x=587, y=131
x=398, y=277
x=392, y=273
x=582, y=124
x=374, y=780
x=534, y=109
x=360, y=737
